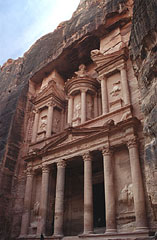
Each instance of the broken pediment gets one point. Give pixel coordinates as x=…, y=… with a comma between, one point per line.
x=102, y=59
x=50, y=90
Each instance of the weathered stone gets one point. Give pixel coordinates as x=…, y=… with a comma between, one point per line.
x=82, y=71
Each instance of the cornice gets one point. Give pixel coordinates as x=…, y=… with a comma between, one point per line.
x=87, y=134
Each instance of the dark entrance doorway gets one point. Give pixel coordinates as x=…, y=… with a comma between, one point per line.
x=99, y=205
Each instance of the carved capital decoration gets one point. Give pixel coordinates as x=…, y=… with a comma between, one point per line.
x=132, y=142
x=45, y=169
x=122, y=67
x=106, y=151
x=87, y=156
x=51, y=104
x=29, y=171
x=36, y=111
x=61, y=164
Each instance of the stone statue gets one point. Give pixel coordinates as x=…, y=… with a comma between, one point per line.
x=126, y=195
x=82, y=71
x=116, y=89
x=89, y=110
x=36, y=208
x=43, y=124
x=56, y=124
x=77, y=110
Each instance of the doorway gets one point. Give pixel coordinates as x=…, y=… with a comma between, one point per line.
x=99, y=205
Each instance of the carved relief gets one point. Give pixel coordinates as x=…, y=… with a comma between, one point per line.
x=77, y=110
x=82, y=71
x=36, y=208
x=116, y=89
x=126, y=197
x=43, y=123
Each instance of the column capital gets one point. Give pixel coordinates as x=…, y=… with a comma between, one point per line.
x=102, y=77
x=106, y=151
x=132, y=142
x=51, y=104
x=36, y=110
x=29, y=171
x=45, y=168
x=123, y=66
x=83, y=90
x=87, y=156
x=61, y=164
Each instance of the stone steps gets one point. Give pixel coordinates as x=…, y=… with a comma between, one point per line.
x=71, y=238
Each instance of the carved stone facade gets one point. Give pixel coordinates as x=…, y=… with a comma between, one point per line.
x=82, y=156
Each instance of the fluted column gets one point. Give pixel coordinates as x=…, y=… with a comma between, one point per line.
x=109, y=191
x=138, y=191
x=35, y=126
x=88, y=194
x=83, y=105
x=95, y=105
x=49, y=120
x=27, y=203
x=59, y=201
x=104, y=95
x=70, y=109
x=43, y=200
x=125, y=86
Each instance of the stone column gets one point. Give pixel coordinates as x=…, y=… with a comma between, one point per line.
x=35, y=126
x=70, y=109
x=104, y=95
x=59, y=201
x=88, y=194
x=83, y=105
x=99, y=104
x=125, y=86
x=109, y=191
x=49, y=120
x=95, y=105
x=43, y=200
x=138, y=191
x=27, y=202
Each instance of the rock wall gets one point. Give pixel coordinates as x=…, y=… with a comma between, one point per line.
x=143, y=50
x=90, y=20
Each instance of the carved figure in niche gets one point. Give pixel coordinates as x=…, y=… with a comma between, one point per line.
x=89, y=110
x=43, y=123
x=116, y=89
x=126, y=195
x=56, y=124
x=77, y=110
x=36, y=208
x=82, y=71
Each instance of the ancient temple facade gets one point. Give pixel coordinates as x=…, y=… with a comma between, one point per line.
x=84, y=174
x=83, y=143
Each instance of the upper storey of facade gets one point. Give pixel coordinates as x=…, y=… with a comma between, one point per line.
x=100, y=90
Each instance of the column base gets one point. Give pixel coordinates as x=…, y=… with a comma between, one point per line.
x=56, y=236
x=141, y=229
x=87, y=233
x=110, y=231
x=22, y=236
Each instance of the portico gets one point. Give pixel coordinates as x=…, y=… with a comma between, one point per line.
x=96, y=163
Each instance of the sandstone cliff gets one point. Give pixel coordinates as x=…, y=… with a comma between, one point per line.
x=91, y=20
x=143, y=46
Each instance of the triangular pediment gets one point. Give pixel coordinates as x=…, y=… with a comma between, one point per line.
x=50, y=90
x=70, y=135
